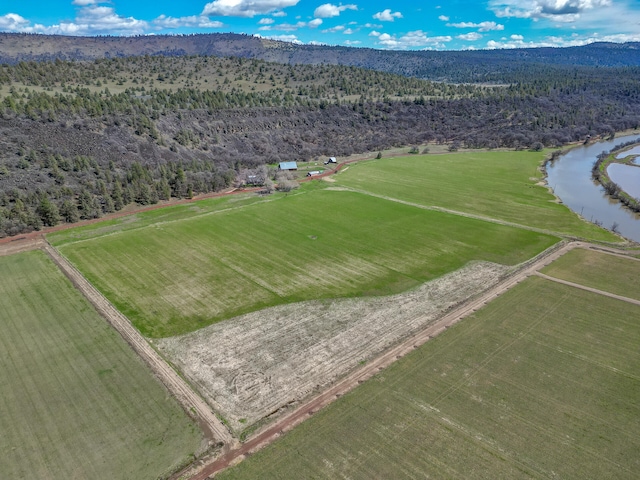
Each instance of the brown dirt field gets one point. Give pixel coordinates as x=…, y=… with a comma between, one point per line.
x=297, y=415
x=20, y=244
x=263, y=363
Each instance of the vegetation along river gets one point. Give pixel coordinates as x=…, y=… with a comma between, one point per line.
x=570, y=178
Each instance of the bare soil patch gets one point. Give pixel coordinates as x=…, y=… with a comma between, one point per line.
x=256, y=365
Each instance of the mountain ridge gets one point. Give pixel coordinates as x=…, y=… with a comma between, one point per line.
x=485, y=65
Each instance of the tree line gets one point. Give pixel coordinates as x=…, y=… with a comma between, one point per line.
x=84, y=152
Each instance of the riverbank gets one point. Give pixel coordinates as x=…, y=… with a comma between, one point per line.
x=570, y=178
x=601, y=175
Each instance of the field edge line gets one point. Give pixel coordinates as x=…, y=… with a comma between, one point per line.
x=191, y=402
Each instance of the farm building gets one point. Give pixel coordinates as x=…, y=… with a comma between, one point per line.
x=288, y=166
x=315, y=172
x=331, y=160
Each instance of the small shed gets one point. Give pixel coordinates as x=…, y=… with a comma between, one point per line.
x=288, y=166
x=331, y=160
x=315, y=172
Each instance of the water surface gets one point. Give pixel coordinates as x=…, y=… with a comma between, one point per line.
x=633, y=151
x=570, y=179
x=627, y=176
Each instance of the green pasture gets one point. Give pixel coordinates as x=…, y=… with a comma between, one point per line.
x=498, y=185
x=174, y=277
x=156, y=216
x=541, y=383
x=76, y=402
x=609, y=273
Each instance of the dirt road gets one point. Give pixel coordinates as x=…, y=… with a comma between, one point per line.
x=303, y=412
x=191, y=402
x=21, y=244
x=589, y=289
x=233, y=451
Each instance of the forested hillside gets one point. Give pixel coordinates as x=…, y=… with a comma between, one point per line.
x=452, y=66
x=79, y=139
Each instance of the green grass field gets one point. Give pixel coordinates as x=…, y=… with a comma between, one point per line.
x=157, y=216
x=76, y=402
x=598, y=270
x=500, y=185
x=541, y=383
x=173, y=277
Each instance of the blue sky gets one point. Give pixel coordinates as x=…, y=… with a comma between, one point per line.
x=385, y=24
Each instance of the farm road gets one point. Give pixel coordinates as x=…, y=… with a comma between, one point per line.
x=288, y=421
x=21, y=244
x=589, y=289
x=190, y=401
x=456, y=212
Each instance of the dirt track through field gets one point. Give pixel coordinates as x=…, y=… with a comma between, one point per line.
x=288, y=421
x=589, y=289
x=190, y=401
x=21, y=244
x=233, y=451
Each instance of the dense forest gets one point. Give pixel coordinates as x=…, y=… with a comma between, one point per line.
x=79, y=139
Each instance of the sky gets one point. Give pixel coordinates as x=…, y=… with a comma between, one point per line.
x=381, y=24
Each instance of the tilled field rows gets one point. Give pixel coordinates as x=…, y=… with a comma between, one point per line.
x=259, y=363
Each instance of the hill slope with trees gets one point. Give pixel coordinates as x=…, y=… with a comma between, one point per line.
x=81, y=138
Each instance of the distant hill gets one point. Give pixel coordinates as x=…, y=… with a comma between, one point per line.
x=454, y=66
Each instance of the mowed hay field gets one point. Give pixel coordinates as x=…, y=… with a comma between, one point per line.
x=174, y=277
x=75, y=401
x=609, y=273
x=541, y=383
x=499, y=185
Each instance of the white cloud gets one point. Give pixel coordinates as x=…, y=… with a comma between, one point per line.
x=290, y=27
x=470, y=37
x=329, y=10
x=443, y=18
x=91, y=19
x=245, y=8
x=349, y=31
x=517, y=41
x=387, y=16
x=556, y=10
x=94, y=20
x=199, y=21
x=352, y=42
x=482, y=26
x=266, y=21
x=413, y=39
x=101, y=20
x=286, y=38
x=12, y=22
x=337, y=28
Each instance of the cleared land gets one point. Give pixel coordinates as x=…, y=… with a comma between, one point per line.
x=174, y=277
x=599, y=270
x=500, y=185
x=76, y=400
x=266, y=360
x=156, y=216
x=540, y=383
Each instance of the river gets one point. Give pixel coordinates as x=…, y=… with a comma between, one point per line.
x=627, y=176
x=570, y=178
